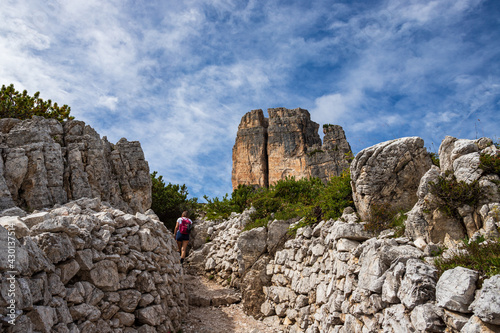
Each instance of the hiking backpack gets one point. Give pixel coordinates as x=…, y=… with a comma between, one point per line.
x=185, y=226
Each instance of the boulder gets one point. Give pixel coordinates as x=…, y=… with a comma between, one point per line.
x=427, y=318
x=352, y=231
x=418, y=285
x=475, y=325
x=104, y=275
x=251, y=245
x=455, y=289
x=276, y=234
x=389, y=173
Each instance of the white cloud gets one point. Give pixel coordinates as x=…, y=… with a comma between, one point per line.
x=179, y=75
x=109, y=102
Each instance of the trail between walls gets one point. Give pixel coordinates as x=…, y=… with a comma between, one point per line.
x=213, y=308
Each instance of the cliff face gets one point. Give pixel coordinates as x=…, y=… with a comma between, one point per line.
x=290, y=133
x=250, y=150
x=333, y=157
x=44, y=162
x=286, y=144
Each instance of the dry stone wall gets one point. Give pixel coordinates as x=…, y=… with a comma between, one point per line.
x=88, y=267
x=337, y=277
x=44, y=162
x=334, y=279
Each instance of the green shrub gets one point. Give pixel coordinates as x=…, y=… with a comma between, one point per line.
x=14, y=104
x=217, y=209
x=478, y=255
x=490, y=163
x=336, y=196
x=454, y=194
x=169, y=201
x=308, y=199
x=434, y=159
x=384, y=216
x=315, y=151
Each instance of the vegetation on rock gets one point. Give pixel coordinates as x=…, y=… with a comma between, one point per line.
x=308, y=199
x=453, y=194
x=382, y=217
x=14, y=104
x=169, y=201
x=490, y=163
x=479, y=255
x=434, y=158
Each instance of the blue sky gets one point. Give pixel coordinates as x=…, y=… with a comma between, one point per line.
x=179, y=75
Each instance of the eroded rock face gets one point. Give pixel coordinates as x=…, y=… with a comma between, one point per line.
x=45, y=162
x=333, y=157
x=85, y=271
x=459, y=162
x=290, y=133
x=250, y=151
x=286, y=144
x=389, y=173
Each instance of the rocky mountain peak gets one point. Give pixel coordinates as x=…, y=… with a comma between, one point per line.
x=286, y=144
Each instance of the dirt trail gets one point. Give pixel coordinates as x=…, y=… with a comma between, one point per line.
x=209, y=311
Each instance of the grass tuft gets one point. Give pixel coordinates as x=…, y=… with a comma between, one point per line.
x=479, y=255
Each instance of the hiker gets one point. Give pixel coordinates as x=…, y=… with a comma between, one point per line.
x=181, y=232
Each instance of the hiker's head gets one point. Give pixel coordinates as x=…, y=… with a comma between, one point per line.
x=185, y=213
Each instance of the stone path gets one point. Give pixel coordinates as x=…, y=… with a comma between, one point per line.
x=213, y=308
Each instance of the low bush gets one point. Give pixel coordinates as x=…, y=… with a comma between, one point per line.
x=169, y=201
x=336, y=196
x=490, y=163
x=482, y=256
x=308, y=199
x=434, y=159
x=453, y=194
x=383, y=216
x=220, y=209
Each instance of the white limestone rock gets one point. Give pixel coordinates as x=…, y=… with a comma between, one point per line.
x=487, y=305
x=427, y=318
x=418, y=285
x=455, y=289
x=388, y=173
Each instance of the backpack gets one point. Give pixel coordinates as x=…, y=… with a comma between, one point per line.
x=185, y=226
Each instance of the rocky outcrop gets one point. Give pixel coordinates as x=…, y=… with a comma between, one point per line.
x=459, y=161
x=250, y=151
x=44, y=162
x=290, y=133
x=333, y=157
x=389, y=174
x=286, y=144
x=88, y=267
x=337, y=276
